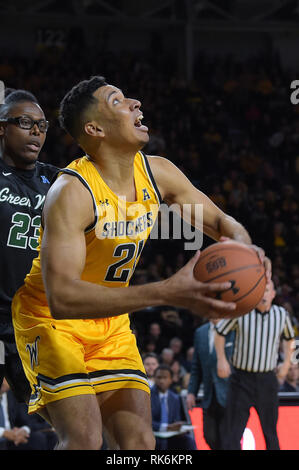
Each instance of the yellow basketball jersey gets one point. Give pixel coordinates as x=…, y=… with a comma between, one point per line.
x=117, y=236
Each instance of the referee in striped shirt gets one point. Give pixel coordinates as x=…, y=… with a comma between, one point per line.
x=253, y=381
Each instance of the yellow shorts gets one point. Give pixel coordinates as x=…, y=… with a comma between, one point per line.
x=64, y=358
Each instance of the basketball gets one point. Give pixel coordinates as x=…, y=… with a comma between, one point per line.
x=239, y=264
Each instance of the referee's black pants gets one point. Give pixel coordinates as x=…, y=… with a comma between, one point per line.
x=247, y=389
x=213, y=420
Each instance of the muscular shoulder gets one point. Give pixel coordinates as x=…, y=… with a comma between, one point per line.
x=160, y=164
x=69, y=201
x=66, y=186
x=169, y=178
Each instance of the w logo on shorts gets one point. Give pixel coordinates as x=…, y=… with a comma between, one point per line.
x=33, y=351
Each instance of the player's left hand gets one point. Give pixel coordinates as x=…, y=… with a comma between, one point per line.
x=261, y=254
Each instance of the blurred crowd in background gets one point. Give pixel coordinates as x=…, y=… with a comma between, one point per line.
x=233, y=131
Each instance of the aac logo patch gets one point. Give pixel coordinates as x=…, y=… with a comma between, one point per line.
x=146, y=195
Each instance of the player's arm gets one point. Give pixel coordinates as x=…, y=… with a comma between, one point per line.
x=176, y=188
x=68, y=211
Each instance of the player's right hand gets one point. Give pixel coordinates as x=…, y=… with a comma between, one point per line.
x=183, y=290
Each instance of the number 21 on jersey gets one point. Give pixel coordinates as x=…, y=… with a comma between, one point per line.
x=117, y=271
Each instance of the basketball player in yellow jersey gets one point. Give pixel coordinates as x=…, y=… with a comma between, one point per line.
x=71, y=316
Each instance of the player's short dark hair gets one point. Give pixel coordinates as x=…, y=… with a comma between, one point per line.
x=76, y=102
x=164, y=367
x=13, y=97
